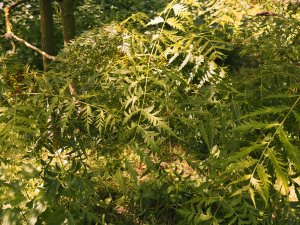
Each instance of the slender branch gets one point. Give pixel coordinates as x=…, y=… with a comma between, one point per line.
x=72, y=90
x=13, y=46
x=7, y=14
x=12, y=35
x=7, y=20
x=9, y=35
x=266, y=13
x=9, y=31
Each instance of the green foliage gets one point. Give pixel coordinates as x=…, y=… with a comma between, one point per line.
x=258, y=160
x=157, y=130
x=94, y=13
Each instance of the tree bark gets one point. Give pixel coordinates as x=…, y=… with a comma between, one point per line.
x=69, y=31
x=47, y=30
x=68, y=19
x=48, y=46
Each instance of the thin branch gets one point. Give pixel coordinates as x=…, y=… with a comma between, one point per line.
x=13, y=47
x=7, y=14
x=9, y=35
x=9, y=31
x=266, y=13
x=12, y=35
x=73, y=94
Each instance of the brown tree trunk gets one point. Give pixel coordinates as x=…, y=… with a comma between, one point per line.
x=47, y=30
x=48, y=46
x=68, y=19
x=69, y=31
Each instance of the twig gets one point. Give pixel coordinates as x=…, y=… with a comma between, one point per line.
x=73, y=94
x=9, y=35
x=12, y=35
x=266, y=13
x=7, y=14
x=9, y=31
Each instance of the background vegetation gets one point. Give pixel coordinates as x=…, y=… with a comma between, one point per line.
x=185, y=112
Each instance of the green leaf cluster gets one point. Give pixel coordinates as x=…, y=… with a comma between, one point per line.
x=190, y=116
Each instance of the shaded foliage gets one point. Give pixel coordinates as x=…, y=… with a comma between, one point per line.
x=159, y=131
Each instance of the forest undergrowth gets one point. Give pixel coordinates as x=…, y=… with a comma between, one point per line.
x=189, y=114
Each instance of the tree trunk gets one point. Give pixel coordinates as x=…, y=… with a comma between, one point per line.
x=69, y=31
x=68, y=19
x=48, y=46
x=47, y=30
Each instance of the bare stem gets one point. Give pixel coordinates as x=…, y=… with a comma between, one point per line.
x=9, y=31
x=12, y=35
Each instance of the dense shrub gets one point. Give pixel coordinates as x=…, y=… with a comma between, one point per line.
x=140, y=122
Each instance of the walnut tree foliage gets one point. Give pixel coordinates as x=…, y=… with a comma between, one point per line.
x=190, y=116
